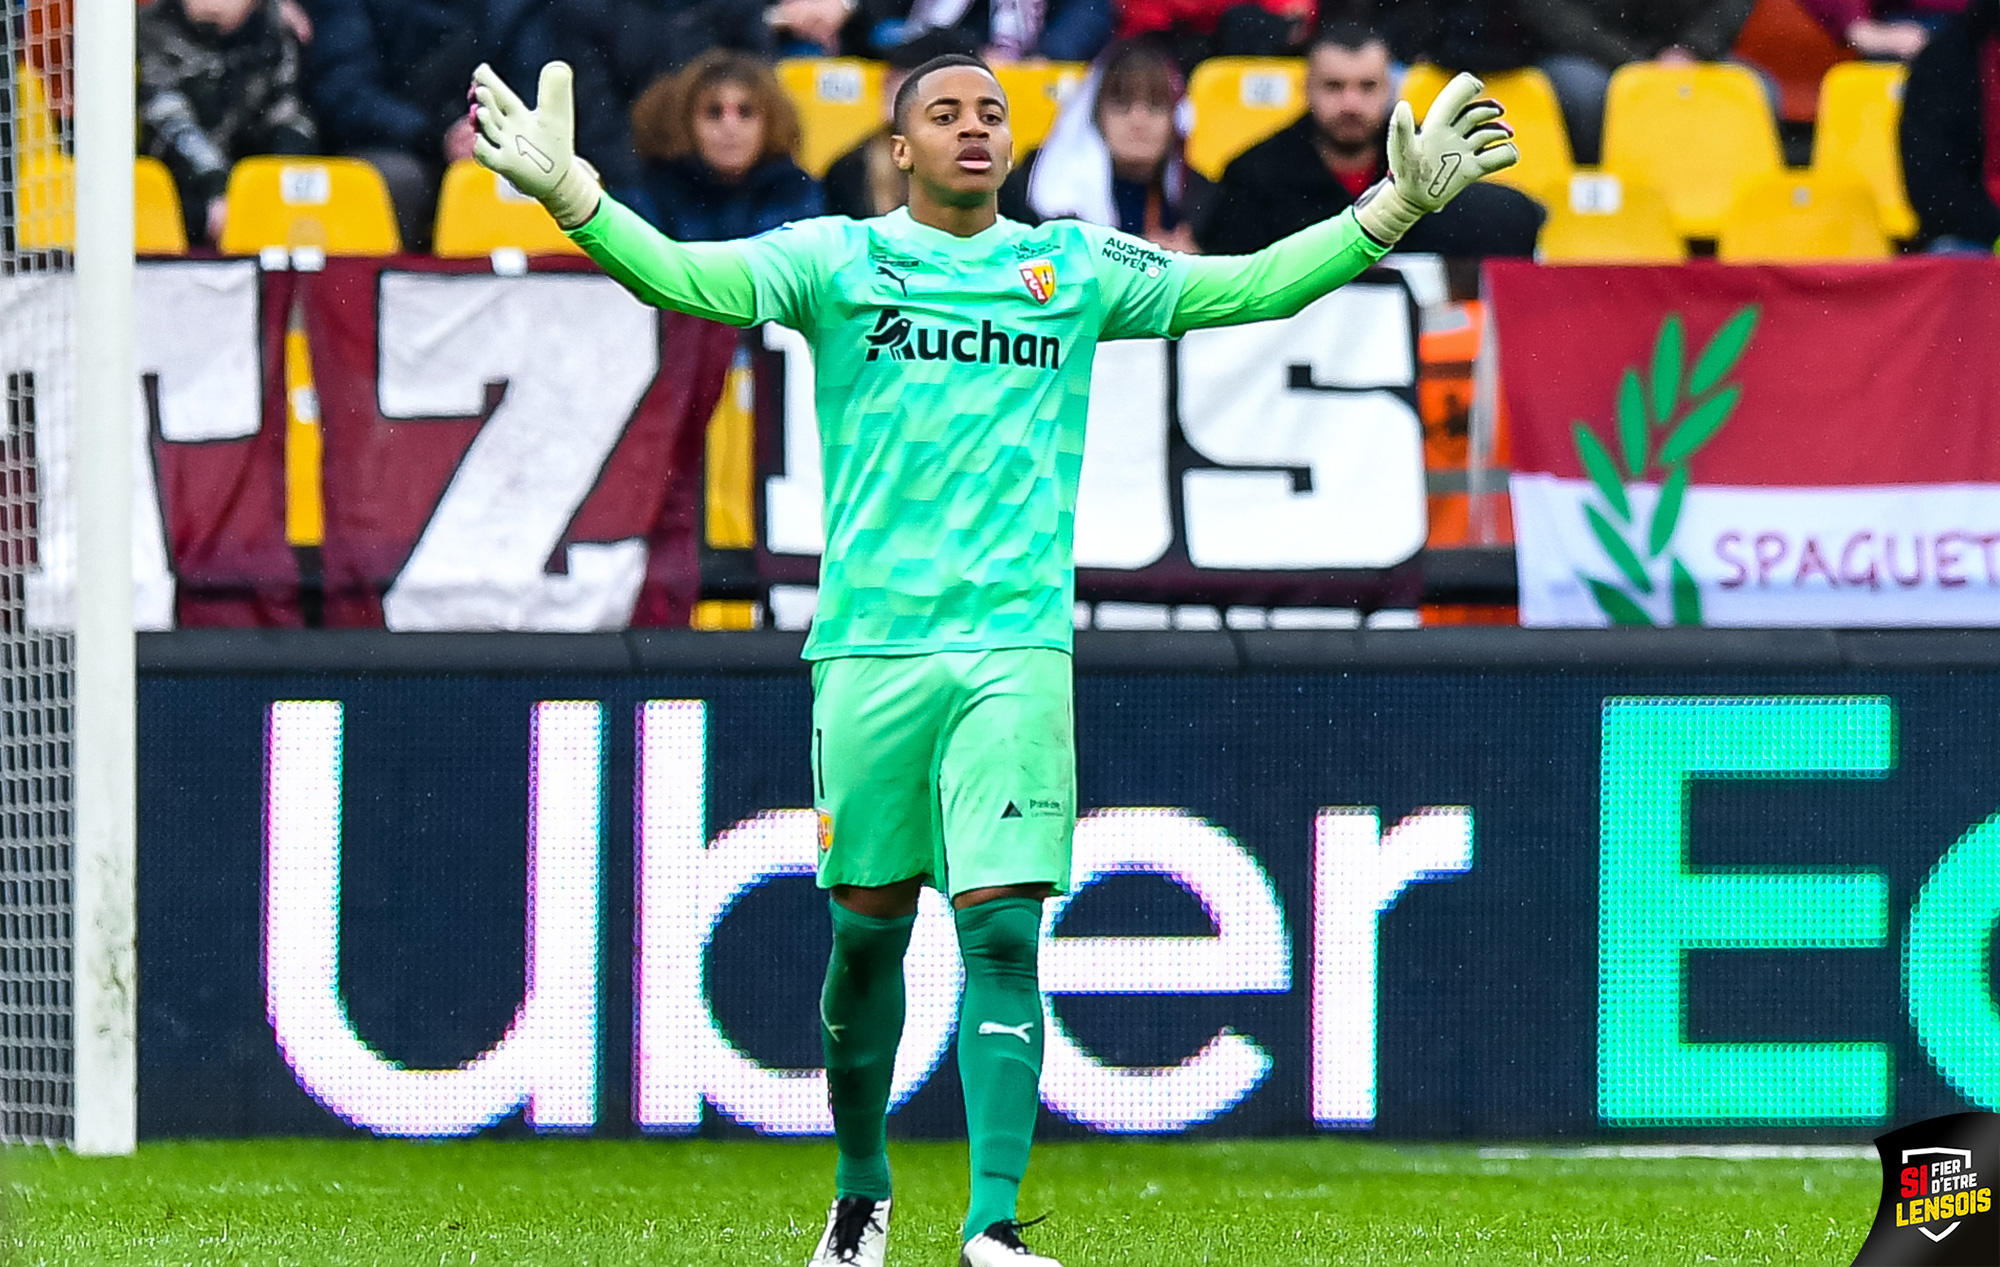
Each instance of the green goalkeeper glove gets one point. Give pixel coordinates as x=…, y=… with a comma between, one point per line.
x=1462, y=140
x=535, y=149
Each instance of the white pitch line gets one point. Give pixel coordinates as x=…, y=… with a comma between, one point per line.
x=1680, y=1152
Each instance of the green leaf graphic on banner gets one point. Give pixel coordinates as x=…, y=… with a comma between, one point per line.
x=1667, y=514
x=1701, y=425
x=1598, y=465
x=1632, y=422
x=1724, y=350
x=1621, y=554
x=1612, y=602
x=1668, y=354
x=1687, y=596
x=1663, y=401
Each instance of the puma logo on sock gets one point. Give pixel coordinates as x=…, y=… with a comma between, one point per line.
x=1018, y=1031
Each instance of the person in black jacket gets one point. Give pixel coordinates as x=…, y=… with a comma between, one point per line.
x=218, y=81
x=388, y=81
x=1951, y=155
x=1476, y=35
x=1317, y=167
x=718, y=139
x=619, y=47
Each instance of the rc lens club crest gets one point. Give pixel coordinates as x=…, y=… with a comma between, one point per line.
x=1040, y=278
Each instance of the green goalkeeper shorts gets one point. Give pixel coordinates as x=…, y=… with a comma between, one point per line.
x=959, y=766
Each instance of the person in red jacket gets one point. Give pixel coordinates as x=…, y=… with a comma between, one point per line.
x=1224, y=28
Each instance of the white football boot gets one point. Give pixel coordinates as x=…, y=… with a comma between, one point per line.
x=1000, y=1246
x=857, y=1234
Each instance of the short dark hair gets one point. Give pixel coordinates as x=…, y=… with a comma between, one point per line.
x=1352, y=36
x=908, y=92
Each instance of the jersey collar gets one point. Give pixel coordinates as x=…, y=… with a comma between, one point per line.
x=992, y=235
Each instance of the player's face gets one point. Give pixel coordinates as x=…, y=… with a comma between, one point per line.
x=1347, y=90
x=728, y=130
x=956, y=140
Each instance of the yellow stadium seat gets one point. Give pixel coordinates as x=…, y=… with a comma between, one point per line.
x=45, y=201
x=337, y=205
x=1695, y=133
x=1532, y=110
x=839, y=100
x=1860, y=112
x=1034, y=93
x=1607, y=220
x=1803, y=216
x=1422, y=82
x=1238, y=101
x=480, y=213
x=157, y=225
x=45, y=206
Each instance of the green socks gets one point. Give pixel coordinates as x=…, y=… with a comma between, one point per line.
x=861, y=1022
x=999, y=1050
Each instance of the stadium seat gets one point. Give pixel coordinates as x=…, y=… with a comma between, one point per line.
x=1609, y=220
x=480, y=212
x=338, y=205
x=1533, y=111
x=1696, y=133
x=1860, y=112
x=1422, y=82
x=45, y=201
x=1238, y=101
x=45, y=206
x=1803, y=216
x=157, y=225
x=1034, y=93
x=839, y=100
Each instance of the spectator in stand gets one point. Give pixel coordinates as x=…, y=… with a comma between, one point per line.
x=619, y=47
x=388, y=82
x=1320, y=165
x=1476, y=35
x=1951, y=133
x=1006, y=30
x=1200, y=29
x=1585, y=40
x=1114, y=155
x=218, y=80
x=865, y=181
x=1886, y=32
x=718, y=138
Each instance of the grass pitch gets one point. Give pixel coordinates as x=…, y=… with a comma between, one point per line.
x=1113, y=1204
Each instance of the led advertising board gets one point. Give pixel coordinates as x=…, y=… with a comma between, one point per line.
x=1424, y=904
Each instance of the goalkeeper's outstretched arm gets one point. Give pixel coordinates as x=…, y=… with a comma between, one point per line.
x=1461, y=141
x=536, y=150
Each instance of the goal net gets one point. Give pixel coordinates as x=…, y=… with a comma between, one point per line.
x=66, y=985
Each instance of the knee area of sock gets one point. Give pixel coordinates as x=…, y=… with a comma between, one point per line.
x=865, y=934
x=1004, y=936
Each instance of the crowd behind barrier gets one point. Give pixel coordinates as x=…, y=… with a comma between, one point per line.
x=1769, y=129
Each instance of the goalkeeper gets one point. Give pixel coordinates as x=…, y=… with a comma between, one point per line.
x=953, y=353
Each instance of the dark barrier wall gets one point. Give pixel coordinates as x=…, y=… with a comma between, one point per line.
x=1487, y=883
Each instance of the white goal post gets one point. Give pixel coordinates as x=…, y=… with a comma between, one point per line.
x=68, y=759
x=105, y=889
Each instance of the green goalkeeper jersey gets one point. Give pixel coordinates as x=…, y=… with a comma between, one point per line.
x=953, y=383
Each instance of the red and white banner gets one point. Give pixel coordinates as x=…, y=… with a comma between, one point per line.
x=507, y=452
x=1754, y=445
